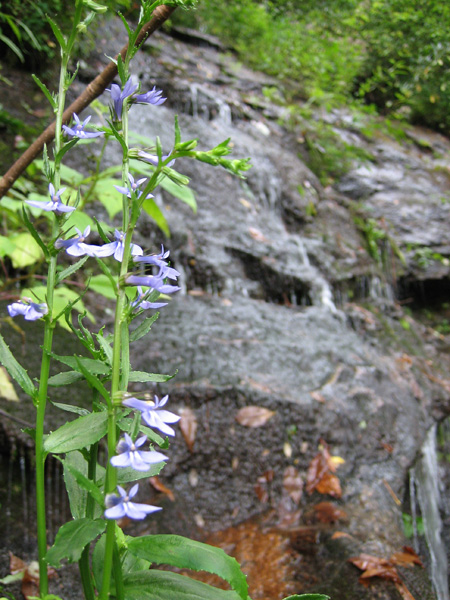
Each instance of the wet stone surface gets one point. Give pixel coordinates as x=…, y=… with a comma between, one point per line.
x=264, y=320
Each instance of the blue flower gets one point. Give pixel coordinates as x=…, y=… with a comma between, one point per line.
x=78, y=131
x=141, y=303
x=28, y=309
x=117, y=247
x=151, y=97
x=118, y=96
x=134, y=187
x=54, y=204
x=153, y=158
x=155, y=282
x=128, y=454
x=76, y=247
x=118, y=507
x=152, y=413
x=159, y=261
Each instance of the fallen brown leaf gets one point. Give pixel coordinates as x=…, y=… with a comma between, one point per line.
x=160, y=487
x=188, y=426
x=320, y=473
x=326, y=512
x=407, y=558
x=254, y=416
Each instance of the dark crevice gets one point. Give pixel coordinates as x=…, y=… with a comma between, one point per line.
x=275, y=287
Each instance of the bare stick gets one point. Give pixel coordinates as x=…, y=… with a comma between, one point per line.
x=93, y=90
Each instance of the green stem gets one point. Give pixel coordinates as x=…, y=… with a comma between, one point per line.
x=40, y=416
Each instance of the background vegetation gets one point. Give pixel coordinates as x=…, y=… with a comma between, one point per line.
x=394, y=54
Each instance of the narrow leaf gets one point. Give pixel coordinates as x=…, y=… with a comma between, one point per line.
x=16, y=370
x=142, y=377
x=97, y=367
x=143, y=328
x=72, y=538
x=67, y=146
x=77, y=434
x=86, y=484
x=58, y=33
x=70, y=270
x=184, y=553
x=154, y=585
x=65, y=378
x=72, y=408
x=34, y=233
x=93, y=381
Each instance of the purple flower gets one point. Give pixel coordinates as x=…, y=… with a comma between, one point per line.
x=153, y=158
x=152, y=413
x=142, y=303
x=118, y=507
x=151, y=97
x=55, y=203
x=78, y=131
x=134, y=187
x=118, y=96
x=76, y=247
x=116, y=247
x=128, y=454
x=28, y=309
x=158, y=260
x=153, y=281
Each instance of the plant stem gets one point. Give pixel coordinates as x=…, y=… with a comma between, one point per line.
x=40, y=416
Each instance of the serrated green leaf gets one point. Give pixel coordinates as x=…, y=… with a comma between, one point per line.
x=70, y=270
x=154, y=585
x=67, y=146
x=72, y=408
x=72, y=538
x=143, y=328
x=93, y=381
x=86, y=484
x=97, y=367
x=184, y=553
x=37, y=238
x=58, y=33
x=15, y=369
x=77, y=495
x=77, y=434
x=143, y=377
x=65, y=378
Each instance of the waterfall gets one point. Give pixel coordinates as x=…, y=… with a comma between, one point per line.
x=426, y=476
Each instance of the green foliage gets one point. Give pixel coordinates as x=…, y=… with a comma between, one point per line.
x=188, y=554
x=406, y=62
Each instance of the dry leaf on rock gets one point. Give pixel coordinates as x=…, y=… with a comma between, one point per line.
x=160, y=487
x=254, y=416
x=327, y=512
x=385, y=568
x=320, y=473
x=188, y=426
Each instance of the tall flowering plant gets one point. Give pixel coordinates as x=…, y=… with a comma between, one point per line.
x=111, y=564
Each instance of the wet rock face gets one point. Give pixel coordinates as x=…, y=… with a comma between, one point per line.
x=263, y=320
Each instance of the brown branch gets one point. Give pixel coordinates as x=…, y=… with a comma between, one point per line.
x=93, y=90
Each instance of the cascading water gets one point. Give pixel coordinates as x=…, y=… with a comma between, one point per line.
x=426, y=477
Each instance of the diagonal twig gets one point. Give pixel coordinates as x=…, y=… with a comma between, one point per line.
x=93, y=90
